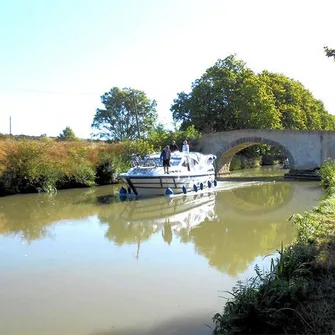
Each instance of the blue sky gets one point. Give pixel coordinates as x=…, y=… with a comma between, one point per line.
x=57, y=57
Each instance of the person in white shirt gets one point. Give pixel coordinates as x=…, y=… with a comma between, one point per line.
x=186, y=147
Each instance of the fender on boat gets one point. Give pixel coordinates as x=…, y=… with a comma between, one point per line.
x=168, y=191
x=123, y=191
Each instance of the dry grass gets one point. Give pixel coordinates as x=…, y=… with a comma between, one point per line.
x=60, y=151
x=45, y=165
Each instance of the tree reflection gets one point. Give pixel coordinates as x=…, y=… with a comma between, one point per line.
x=30, y=215
x=258, y=199
x=233, y=240
x=122, y=233
x=167, y=233
x=229, y=228
x=231, y=246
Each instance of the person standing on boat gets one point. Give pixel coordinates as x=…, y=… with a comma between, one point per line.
x=186, y=147
x=165, y=156
x=174, y=146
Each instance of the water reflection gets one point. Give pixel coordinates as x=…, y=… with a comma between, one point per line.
x=138, y=220
x=229, y=228
x=267, y=197
x=30, y=215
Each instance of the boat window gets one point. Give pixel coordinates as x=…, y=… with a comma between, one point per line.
x=175, y=161
x=151, y=162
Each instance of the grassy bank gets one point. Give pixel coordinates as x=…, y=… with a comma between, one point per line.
x=28, y=166
x=31, y=164
x=297, y=294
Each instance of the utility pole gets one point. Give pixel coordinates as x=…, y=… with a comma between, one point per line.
x=10, y=127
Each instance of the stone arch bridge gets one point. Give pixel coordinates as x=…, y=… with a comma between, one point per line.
x=305, y=149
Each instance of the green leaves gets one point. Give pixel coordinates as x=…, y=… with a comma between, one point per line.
x=67, y=135
x=128, y=114
x=230, y=96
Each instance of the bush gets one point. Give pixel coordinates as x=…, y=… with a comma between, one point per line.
x=268, y=159
x=235, y=164
x=110, y=165
x=25, y=167
x=139, y=146
x=241, y=162
x=327, y=174
x=249, y=163
x=77, y=170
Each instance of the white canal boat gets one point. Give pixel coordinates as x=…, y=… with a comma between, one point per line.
x=191, y=171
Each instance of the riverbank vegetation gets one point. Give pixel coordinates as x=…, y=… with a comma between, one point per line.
x=46, y=165
x=297, y=294
x=228, y=96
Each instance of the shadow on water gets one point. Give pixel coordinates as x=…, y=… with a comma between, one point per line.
x=181, y=326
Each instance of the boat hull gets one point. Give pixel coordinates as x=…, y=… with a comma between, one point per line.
x=157, y=185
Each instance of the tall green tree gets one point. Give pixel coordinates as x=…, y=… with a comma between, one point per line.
x=128, y=114
x=67, y=135
x=228, y=96
x=297, y=107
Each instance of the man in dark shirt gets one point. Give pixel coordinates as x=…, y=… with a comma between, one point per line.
x=165, y=157
x=174, y=146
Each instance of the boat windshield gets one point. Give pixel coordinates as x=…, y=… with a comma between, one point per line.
x=174, y=161
x=156, y=161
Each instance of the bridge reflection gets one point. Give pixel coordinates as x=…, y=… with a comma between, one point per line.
x=246, y=200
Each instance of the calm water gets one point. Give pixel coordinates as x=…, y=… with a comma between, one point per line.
x=83, y=262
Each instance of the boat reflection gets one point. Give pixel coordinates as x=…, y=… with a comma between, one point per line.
x=141, y=218
x=180, y=212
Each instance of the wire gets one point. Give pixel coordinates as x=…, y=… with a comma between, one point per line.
x=49, y=92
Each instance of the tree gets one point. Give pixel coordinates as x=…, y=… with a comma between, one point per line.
x=297, y=107
x=228, y=96
x=67, y=135
x=329, y=52
x=128, y=114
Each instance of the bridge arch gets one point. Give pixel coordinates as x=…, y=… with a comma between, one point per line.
x=227, y=152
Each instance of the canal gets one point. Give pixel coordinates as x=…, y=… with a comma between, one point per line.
x=83, y=262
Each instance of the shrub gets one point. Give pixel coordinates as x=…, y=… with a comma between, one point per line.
x=25, y=167
x=268, y=159
x=110, y=165
x=141, y=146
x=327, y=173
x=235, y=164
x=249, y=163
x=77, y=170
